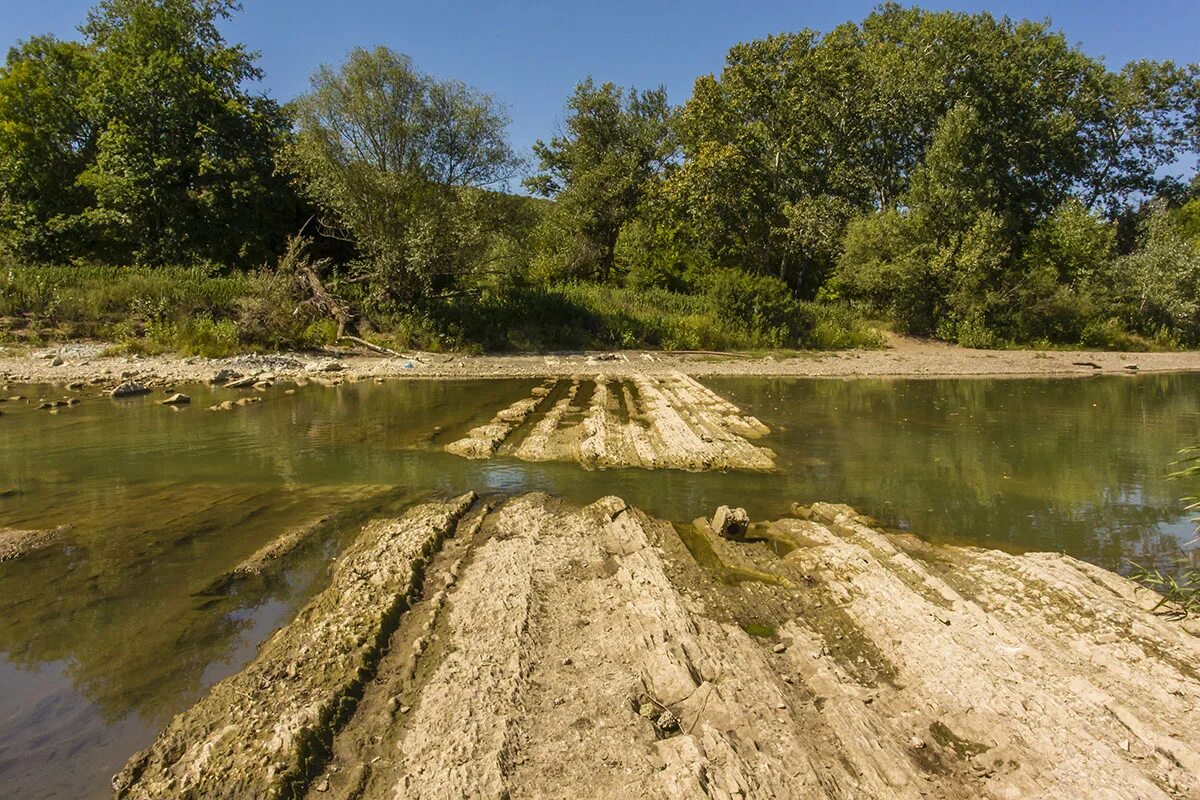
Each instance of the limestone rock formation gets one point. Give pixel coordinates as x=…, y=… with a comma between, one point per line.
x=667, y=422
x=563, y=651
x=255, y=734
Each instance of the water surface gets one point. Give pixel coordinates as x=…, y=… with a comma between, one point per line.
x=106, y=636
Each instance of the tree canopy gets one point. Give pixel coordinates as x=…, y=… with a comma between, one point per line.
x=157, y=152
x=398, y=162
x=966, y=176
x=615, y=143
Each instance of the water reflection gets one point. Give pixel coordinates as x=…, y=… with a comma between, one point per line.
x=1076, y=466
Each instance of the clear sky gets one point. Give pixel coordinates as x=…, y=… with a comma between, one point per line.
x=530, y=54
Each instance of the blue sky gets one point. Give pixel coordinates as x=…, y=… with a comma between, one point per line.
x=530, y=54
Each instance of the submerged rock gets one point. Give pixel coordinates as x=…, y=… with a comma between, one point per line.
x=17, y=543
x=177, y=399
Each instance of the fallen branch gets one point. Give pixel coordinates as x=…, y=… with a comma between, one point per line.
x=377, y=348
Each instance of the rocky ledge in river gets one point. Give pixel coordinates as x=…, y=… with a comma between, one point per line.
x=543, y=650
x=671, y=422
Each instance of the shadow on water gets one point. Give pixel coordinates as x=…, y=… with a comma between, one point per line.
x=107, y=635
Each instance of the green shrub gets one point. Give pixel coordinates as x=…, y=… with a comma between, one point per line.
x=838, y=327
x=598, y=316
x=761, y=303
x=657, y=256
x=196, y=312
x=1111, y=334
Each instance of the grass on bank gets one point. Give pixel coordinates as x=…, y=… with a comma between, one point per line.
x=193, y=311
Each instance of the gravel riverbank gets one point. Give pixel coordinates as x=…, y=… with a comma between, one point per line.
x=89, y=363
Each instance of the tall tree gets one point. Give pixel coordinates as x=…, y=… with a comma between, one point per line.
x=46, y=141
x=774, y=152
x=184, y=168
x=398, y=162
x=599, y=170
x=1134, y=126
x=801, y=132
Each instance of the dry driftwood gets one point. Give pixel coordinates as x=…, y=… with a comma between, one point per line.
x=377, y=348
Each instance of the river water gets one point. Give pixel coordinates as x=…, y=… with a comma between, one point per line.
x=104, y=637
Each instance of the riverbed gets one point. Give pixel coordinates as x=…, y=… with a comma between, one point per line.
x=107, y=634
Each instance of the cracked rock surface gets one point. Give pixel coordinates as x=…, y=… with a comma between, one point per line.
x=659, y=422
x=551, y=650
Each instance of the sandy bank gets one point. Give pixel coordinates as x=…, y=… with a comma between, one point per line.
x=86, y=363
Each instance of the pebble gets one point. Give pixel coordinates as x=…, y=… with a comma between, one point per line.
x=779, y=648
x=916, y=743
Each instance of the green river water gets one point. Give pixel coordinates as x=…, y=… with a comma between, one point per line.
x=106, y=635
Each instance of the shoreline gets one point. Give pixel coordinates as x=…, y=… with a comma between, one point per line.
x=906, y=358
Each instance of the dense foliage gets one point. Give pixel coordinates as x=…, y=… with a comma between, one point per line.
x=397, y=160
x=140, y=145
x=972, y=178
